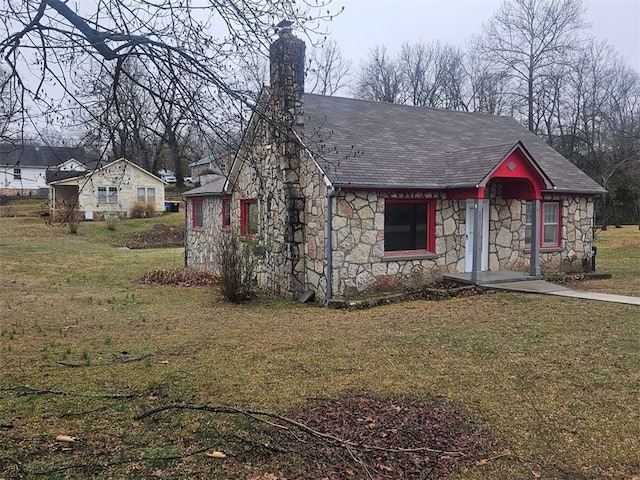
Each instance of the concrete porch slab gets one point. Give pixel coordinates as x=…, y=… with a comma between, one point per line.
x=490, y=277
x=530, y=286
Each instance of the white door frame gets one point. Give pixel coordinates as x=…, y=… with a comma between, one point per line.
x=470, y=223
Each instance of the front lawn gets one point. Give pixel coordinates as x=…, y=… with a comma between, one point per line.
x=552, y=384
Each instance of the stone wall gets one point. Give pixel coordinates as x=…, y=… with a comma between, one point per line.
x=507, y=250
x=200, y=243
x=360, y=266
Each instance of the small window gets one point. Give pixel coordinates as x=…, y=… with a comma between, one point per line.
x=196, y=214
x=226, y=213
x=17, y=174
x=249, y=217
x=146, y=194
x=112, y=195
x=549, y=224
x=408, y=226
x=102, y=194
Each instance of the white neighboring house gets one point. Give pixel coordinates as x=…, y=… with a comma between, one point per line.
x=23, y=168
x=112, y=189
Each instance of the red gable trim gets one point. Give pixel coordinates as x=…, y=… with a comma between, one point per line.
x=523, y=178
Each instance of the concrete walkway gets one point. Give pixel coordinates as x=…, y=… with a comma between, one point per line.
x=519, y=282
x=540, y=286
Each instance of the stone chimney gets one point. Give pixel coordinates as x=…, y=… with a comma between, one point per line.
x=286, y=56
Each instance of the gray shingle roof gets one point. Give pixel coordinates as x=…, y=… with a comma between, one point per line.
x=39, y=155
x=208, y=189
x=379, y=145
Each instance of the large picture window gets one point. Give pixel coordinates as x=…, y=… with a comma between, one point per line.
x=549, y=224
x=249, y=217
x=408, y=226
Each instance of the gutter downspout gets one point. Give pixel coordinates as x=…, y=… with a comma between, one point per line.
x=331, y=193
x=186, y=234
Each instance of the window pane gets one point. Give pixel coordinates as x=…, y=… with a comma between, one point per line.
x=151, y=195
x=113, y=195
x=550, y=234
x=102, y=194
x=252, y=218
x=141, y=194
x=226, y=213
x=197, y=214
x=405, y=226
x=550, y=213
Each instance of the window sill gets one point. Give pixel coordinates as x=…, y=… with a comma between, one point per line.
x=397, y=257
x=546, y=249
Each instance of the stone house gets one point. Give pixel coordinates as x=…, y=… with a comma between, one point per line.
x=112, y=189
x=352, y=197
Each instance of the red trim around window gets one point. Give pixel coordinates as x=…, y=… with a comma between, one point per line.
x=245, y=228
x=197, y=214
x=226, y=213
x=558, y=225
x=431, y=225
x=541, y=224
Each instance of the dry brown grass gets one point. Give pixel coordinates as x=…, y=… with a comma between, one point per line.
x=555, y=381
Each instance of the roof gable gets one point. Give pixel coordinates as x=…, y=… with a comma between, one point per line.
x=121, y=164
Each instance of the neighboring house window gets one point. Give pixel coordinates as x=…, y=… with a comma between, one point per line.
x=409, y=225
x=196, y=214
x=146, y=194
x=17, y=174
x=107, y=194
x=549, y=224
x=226, y=213
x=249, y=217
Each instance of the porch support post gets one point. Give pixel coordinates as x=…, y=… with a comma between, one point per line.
x=476, y=266
x=534, y=261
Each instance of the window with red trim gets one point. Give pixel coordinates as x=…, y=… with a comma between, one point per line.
x=249, y=217
x=226, y=213
x=409, y=225
x=549, y=224
x=196, y=214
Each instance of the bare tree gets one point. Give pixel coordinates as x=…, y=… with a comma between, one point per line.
x=526, y=40
x=380, y=78
x=329, y=72
x=46, y=43
x=432, y=75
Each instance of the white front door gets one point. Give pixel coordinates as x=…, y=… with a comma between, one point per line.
x=484, y=264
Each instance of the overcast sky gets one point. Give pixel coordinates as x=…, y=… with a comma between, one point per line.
x=367, y=23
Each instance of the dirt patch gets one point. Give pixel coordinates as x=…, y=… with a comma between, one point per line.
x=183, y=277
x=158, y=236
x=366, y=437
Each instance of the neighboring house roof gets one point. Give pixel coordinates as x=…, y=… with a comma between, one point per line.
x=203, y=161
x=88, y=174
x=369, y=144
x=208, y=190
x=39, y=155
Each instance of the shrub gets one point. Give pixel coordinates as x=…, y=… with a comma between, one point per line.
x=67, y=211
x=237, y=262
x=111, y=220
x=143, y=210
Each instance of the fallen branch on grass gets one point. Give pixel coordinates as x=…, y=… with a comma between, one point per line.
x=287, y=424
x=26, y=390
